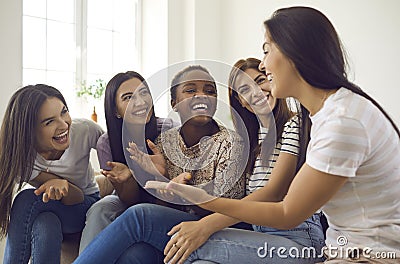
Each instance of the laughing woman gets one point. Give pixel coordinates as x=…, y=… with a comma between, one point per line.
x=41, y=145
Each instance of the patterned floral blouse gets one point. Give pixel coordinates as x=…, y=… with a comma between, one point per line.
x=214, y=162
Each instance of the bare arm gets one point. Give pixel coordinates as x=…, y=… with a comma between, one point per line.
x=276, y=189
x=309, y=191
x=47, y=183
x=196, y=233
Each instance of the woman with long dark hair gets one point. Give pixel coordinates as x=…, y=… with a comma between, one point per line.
x=129, y=112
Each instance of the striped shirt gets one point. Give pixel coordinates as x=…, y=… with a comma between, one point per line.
x=289, y=143
x=350, y=137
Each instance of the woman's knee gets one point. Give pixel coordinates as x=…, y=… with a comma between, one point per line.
x=104, y=209
x=24, y=199
x=47, y=223
x=25, y=195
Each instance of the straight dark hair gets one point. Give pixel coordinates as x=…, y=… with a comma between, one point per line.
x=18, y=142
x=309, y=40
x=114, y=124
x=281, y=111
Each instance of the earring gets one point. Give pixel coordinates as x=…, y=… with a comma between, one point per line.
x=119, y=116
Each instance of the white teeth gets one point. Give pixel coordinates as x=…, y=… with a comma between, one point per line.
x=61, y=135
x=200, y=106
x=261, y=101
x=269, y=77
x=141, y=112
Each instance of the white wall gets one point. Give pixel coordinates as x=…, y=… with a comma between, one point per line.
x=11, y=57
x=368, y=29
x=226, y=30
x=10, y=50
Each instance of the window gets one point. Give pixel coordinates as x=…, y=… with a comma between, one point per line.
x=66, y=42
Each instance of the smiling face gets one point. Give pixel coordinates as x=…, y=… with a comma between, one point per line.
x=280, y=71
x=196, y=97
x=254, y=92
x=134, y=102
x=52, y=131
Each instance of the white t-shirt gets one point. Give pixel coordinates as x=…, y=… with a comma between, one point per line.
x=74, y=164
x=351, y=137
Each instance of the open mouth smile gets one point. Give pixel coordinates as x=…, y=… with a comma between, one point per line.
x=201, y=106
x=61, y=138
x=140, y=112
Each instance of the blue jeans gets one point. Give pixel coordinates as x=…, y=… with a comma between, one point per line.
x=36, y=228
x=139, y=235
x=99, y=216
x=302, y=244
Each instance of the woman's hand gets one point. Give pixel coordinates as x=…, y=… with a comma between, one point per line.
x=154, y=164
x=119, y=172
x=54, y=189
x=188, y=192
x=182, y=178
x=187, y=237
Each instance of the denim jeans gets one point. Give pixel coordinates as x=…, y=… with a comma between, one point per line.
x=99, y=216
x=139, y=235
x=266, y=245
x=36, y=228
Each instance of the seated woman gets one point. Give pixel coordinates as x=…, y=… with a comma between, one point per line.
x=214, y=152
x=127, y=95
x=40, y=144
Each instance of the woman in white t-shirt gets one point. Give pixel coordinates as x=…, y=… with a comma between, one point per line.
x=352, y=167
x=40, y=144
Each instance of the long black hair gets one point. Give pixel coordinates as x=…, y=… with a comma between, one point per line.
x=18, y=142
x=114, y=123
x=310, y=41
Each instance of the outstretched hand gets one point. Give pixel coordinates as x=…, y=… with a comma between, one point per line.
x=54, y=189
x=190, y=193
x=182, y=178
x=119, y=172
x=154, y=164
